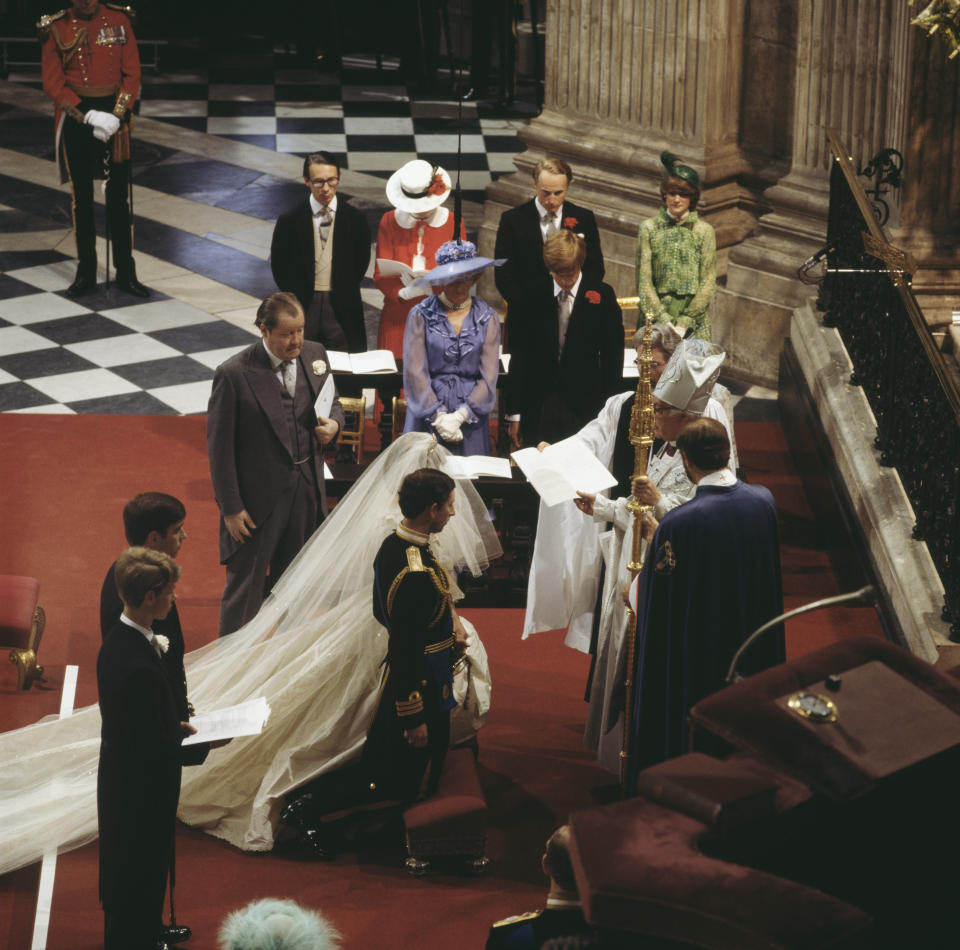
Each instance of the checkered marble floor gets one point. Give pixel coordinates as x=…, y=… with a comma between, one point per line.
x=364, y=115
x=106, y=353
x=205, y=207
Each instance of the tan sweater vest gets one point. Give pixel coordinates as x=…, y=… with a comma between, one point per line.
x=323, y=257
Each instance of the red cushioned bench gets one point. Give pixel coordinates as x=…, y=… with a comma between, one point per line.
x=22, y=620
x=452, y=823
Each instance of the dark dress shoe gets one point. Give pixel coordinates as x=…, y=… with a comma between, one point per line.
x=175, y=934
x=83, y=283
x=129, y=284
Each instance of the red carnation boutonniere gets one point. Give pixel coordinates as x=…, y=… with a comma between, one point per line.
x=437, y=186
x=570, y=223
x=592, y=296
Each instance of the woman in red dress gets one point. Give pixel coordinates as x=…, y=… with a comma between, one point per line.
x=410, y=235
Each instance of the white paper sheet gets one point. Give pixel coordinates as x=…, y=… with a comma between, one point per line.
x=324, y=402
x=560, y=470
x=373, y=361
x=244, y=719
x=473, y=466
x=339, y=361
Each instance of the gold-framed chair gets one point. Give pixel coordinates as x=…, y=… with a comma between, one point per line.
x=399, y=417
x=629, y=327
x=22, y=620
x=355, y=416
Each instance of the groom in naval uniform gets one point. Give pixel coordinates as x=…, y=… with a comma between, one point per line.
x=265, y=443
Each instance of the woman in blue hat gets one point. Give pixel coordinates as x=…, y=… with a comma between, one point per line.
x=677, y=255
x=451, y=354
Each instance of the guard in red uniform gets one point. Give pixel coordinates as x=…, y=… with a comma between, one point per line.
x=91, y=71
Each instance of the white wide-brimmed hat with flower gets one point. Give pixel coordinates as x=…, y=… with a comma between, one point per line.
x=455, y=261
x=418, y=186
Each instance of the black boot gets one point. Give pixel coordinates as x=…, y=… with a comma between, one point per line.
x=127, y=280
x=301, y=815
x=85, y=282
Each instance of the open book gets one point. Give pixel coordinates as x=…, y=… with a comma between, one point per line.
x=373, y=361
x=406, y=273
x=560, y=470
x=473, y=466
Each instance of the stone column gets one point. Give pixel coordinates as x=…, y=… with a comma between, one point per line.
x=626, y=79
x=930, y=214
x=850, y=69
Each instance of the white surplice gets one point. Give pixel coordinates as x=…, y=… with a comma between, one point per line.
x=565, y=570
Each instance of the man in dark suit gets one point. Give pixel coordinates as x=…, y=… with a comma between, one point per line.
x=154, y=520
x=320, y=252
x=265, y=444
x=138, y=781
x=523, y=281
x=567, y=351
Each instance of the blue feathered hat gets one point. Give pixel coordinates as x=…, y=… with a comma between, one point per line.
x=455, y=261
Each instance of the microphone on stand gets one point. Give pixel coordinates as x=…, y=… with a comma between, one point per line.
x=865, y=596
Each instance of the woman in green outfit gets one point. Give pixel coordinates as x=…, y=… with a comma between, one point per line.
x=677, y=255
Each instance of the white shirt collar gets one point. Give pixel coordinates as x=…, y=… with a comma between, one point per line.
x=408, y=534
x=541, y=211
x=315, y=205
x=437, y=219
x=722, y=477
x=561, y=903
x=132, y=623
x=275, y=360
x=573, y=290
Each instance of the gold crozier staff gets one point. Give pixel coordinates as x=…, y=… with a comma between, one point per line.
x=641, y=437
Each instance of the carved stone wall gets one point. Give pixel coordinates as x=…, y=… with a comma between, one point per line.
x=743, y=90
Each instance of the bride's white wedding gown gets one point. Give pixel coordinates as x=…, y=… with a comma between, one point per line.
x=314, y=651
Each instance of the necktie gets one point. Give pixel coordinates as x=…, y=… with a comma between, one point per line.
x=548, y=220
x=563, y=315
x=325, y=217
x=155, y=644
x=289, y=381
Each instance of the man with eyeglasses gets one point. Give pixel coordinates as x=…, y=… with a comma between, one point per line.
x=320, y=252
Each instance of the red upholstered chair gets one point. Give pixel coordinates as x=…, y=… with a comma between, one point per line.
x=640, y=870
x=22, y=621
x=453, y=821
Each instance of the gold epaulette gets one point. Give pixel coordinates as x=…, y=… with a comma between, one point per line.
x=46, y=21
x=518, y=918
x=122, y=8
x=414, y=561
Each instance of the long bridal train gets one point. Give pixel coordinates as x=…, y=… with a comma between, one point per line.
x=314, y=651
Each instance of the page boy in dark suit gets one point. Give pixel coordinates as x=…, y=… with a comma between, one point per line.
x=568, y=350
x=138, y=781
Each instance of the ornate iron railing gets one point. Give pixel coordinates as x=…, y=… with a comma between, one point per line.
x=866, y=295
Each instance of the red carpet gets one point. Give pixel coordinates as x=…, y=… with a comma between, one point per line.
x=65, y=479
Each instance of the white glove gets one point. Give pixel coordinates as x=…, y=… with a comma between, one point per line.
x=448, y=425
x=412, y=292
x=104, y=124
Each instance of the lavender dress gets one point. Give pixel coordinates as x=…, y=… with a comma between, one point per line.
x=444, y=371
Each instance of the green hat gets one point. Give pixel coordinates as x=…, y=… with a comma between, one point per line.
x=684, y=172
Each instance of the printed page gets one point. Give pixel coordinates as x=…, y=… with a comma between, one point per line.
x=244, y=719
